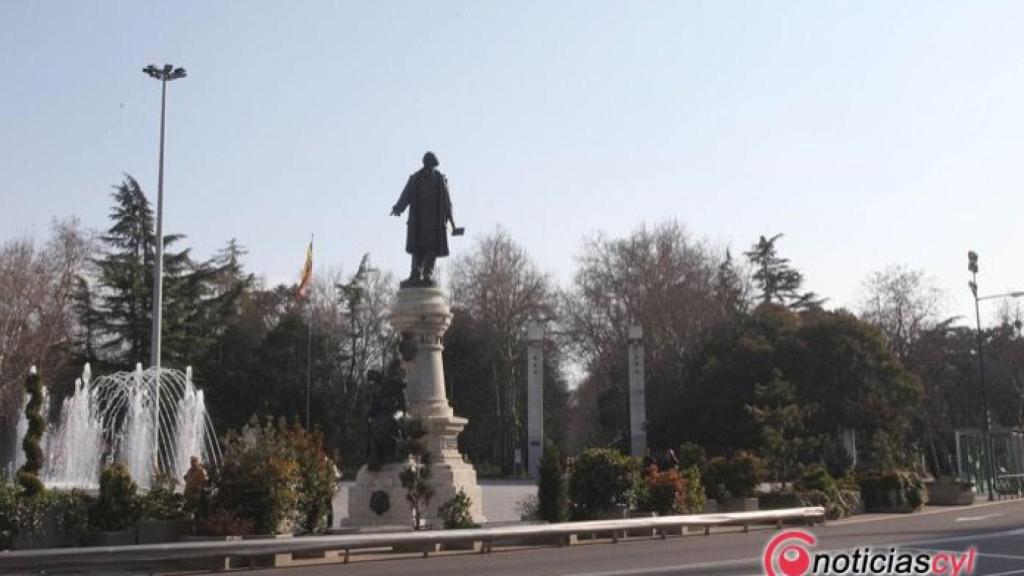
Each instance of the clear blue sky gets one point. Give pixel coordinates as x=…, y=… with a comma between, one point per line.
x=868, y=132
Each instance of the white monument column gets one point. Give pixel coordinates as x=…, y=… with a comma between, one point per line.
x=637, y=395
x=535, y=396
x=421, y=316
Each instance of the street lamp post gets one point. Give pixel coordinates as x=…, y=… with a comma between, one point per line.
x=164, y=75
x=972, y=266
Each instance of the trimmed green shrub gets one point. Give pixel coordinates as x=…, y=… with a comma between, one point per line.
x=117, y=506
x=28, y=474
x=603, y=479
x=456, y=513
x=736, y=477
x=552, y=488
x=53, y=518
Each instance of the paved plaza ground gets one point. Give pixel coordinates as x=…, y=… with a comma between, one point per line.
x=500, y=499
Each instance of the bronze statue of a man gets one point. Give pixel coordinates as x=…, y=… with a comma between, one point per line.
x=430, y=210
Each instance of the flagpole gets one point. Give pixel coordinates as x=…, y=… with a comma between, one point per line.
x=309, y=348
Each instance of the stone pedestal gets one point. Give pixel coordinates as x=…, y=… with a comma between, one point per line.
x=421, y=316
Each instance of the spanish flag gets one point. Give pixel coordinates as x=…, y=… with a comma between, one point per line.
x=307, y=273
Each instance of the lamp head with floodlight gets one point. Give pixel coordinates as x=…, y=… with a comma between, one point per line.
x=168, y=72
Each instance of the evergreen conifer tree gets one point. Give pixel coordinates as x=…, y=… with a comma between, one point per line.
x=552, y=489
x=125, y=295
x=779, y=282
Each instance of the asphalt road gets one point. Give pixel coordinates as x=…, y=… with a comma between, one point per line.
x=997, y=530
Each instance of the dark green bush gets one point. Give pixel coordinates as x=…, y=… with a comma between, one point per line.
x=894, y=490
x=457, y=512
x=117, y=506
x=603, y=479
x=816, y=477
x=816, y=487
x=552, y=488
x=736, y=477
x=692, y=455
x=162, y=502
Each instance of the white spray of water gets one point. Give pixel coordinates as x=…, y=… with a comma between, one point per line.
x=112, y=418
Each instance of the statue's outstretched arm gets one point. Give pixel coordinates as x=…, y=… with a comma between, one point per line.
x=404, y=199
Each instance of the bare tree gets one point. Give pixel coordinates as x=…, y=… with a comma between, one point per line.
x=37, y=286
x=502, y=289
x=676, y=287
x=349, y=316
x=902, y=303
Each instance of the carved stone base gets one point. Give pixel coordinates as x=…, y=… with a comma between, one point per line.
x=421, y=316
x=449, y=473
x=385, y=480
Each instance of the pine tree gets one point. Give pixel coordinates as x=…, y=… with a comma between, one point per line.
x=86, y=339
x=779, y=282
x=552, y=488
x=126, y=282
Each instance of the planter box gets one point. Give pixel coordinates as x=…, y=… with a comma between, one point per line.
x=216, y=564
x=778, y=500
x=640, y=532
x=891, y=501
x=951, y=493
x=738, y=505
x=267, y=560
x=116, y=538
x=49, y=535
x=474, y=546
x=149, y=531
x=417, y=548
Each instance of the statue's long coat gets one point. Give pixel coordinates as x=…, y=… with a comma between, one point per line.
x=430, y=208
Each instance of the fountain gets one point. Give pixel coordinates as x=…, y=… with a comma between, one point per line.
x=111, y=418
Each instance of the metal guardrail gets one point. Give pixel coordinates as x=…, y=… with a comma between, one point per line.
x=564, y=533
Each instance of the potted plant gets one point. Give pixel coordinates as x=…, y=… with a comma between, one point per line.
x=892, y=491
x=161, y=510
x=604, y=484
x=259, y=479
x=950, y=491
x=733, y=482
x=116, y=508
